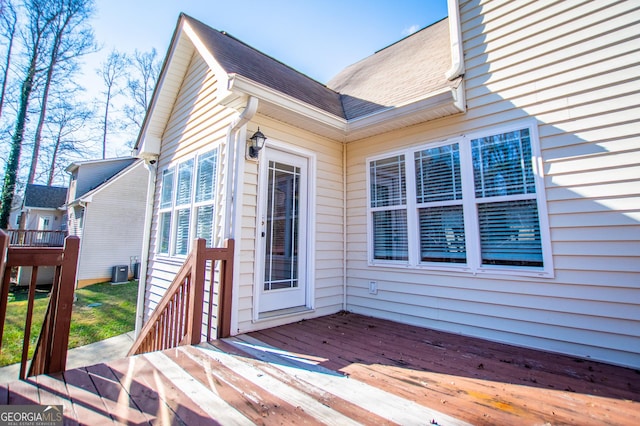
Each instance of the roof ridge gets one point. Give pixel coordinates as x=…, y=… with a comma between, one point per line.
x=410, y=35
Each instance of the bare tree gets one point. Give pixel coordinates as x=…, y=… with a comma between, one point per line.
x=146, y=67
x=70, y=39
x=112, y=71
x=8, y=25
x=40, y=16
x=65, y=125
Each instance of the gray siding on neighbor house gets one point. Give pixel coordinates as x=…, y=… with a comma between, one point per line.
x=92, y=174
x=574, y=68
x=113, y=225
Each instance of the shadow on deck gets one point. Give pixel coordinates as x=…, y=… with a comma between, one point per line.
x=341, y=369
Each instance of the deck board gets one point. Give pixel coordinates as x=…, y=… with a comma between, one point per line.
x=341, y=369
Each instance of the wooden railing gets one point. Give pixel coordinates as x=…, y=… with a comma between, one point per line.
x=50, y=354
x=34, y=238
x=178, y=318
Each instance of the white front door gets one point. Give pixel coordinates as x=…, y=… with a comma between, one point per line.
x=282, y=231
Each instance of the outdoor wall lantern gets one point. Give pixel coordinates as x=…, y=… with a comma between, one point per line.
x=257, y=143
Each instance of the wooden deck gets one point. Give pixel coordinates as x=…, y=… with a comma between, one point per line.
x=341, y=369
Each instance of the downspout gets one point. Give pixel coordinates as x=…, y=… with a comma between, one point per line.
x=344, y=226
x=455, y=34
x=146, y=244
x=235, y=165
x=234, y=146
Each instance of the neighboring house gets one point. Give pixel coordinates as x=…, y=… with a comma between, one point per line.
x=106, y=208
x=42, y=209
x=478, y=177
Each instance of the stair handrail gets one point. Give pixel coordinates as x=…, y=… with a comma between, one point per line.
x=177, y=319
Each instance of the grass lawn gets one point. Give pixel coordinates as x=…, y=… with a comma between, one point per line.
x=100, y=311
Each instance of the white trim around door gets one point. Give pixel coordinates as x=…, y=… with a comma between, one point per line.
x=284, y=232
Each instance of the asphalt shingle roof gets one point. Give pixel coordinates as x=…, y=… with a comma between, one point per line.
x=237, y=57
x=406, y=71
x=43, y=196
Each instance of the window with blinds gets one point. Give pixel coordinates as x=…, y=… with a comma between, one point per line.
x=506, y=196
x=187, y=204
x=204, y=202
x=470, y=204
x=389, y=211
x=439, y=204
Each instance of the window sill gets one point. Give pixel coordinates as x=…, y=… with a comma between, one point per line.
x=482, y=271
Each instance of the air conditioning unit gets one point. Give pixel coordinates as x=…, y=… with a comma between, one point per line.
x=120, y=274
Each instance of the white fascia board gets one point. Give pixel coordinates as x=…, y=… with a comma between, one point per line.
x=238, y=83
x=439, y=99
x=221, y=74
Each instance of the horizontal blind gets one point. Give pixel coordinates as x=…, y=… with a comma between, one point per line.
x=205, y=181
x=388, y=182
x=167, y=188
x=438, y=174
x=183, y=190
x=510, y=233
x=442, y=236
x=502, y=164
x=165, y=232
x=182, y=231
x=204, y=223
x=390, y=240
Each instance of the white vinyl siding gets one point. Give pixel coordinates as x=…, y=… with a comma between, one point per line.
x=197, y=125
x=574, y=71
x=326, y=260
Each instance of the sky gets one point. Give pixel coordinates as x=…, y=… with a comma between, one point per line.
x=316, y=37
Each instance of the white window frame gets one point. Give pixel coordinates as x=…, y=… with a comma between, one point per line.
x=473, y=263
x=191, y=205
x=165, y=210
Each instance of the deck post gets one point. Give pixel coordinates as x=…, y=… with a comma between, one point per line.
x=64, y=304
x=196, y=295
x=225, y=297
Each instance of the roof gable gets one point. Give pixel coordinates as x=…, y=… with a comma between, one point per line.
x=403, y=84
x=236, y=57
x=406, y=71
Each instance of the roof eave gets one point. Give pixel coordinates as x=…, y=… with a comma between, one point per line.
x=442, y=103
x=447, y=101
x=241, y=84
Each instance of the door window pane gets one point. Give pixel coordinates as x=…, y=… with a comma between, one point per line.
x=282, y=222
